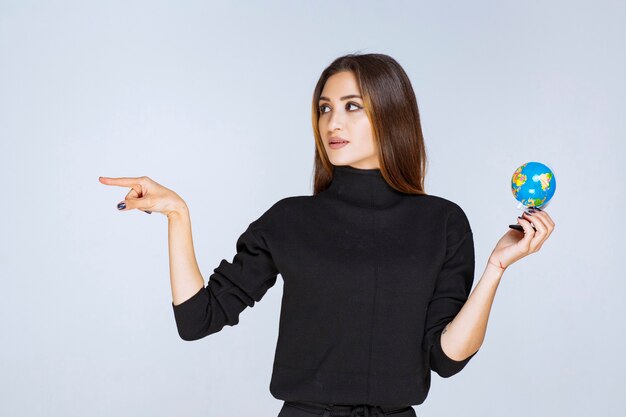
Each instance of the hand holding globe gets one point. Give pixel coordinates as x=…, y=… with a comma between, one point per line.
x=533, y=185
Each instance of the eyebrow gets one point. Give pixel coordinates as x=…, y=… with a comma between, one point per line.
x=342, y=98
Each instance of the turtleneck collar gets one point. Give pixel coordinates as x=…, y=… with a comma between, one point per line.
x=363, y=187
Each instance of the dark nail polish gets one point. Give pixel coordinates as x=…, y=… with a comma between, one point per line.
x=121, y=206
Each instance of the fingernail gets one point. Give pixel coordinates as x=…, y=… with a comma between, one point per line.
x=121, y=206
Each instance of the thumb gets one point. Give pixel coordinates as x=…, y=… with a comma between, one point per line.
x=132, y=203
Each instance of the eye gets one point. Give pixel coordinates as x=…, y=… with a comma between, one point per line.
x=323, y=106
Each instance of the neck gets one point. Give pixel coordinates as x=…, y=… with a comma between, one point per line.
x=362, y=187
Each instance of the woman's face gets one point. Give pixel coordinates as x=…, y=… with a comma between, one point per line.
x=342, y=117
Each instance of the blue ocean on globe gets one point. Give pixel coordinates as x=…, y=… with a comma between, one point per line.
x=533, y=184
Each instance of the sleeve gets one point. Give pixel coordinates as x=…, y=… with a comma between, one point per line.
x=452, y=289
x=231, y=288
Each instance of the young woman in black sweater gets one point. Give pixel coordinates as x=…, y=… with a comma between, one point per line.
x=377, y=273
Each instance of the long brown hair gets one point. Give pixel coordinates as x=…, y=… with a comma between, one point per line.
x=391, y=107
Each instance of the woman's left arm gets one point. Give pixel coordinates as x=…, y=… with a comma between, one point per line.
x=464, y=335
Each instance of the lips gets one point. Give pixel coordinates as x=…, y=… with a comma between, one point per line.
x=337, y=143
x=335, y=139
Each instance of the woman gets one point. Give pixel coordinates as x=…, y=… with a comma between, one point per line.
x=377, y=273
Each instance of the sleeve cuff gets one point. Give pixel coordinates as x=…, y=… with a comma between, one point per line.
x=444, y=365
x=187, y=313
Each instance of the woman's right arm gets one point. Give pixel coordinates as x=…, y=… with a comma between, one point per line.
x=185, y=277
x=198, y=310
x=149, y=196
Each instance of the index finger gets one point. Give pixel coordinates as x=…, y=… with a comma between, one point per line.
x=121, y=181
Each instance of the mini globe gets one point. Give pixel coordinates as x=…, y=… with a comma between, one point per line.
x=533, y=184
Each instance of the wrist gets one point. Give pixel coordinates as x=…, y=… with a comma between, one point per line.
x=496, y=265
x=178, y=213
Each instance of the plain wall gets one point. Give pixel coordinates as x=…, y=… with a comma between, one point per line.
x=212, y=100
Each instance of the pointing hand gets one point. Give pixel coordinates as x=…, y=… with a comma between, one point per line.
x=146, y=195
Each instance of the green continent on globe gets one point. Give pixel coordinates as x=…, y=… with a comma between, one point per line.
x=533, y=202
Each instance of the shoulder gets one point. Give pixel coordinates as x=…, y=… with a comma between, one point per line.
x=281, y=211
x=442, y=203
x=455, y=216
x=287, y=204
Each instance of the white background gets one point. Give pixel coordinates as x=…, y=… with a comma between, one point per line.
x=212, y=100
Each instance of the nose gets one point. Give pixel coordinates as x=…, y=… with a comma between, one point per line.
x=336, y=121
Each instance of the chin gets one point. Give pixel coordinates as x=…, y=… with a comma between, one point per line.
x=341, y=161
x=345, y=160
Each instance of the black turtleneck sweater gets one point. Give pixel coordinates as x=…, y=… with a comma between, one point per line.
x=371, y=277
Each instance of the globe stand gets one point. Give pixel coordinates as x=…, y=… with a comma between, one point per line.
x=519, y=226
